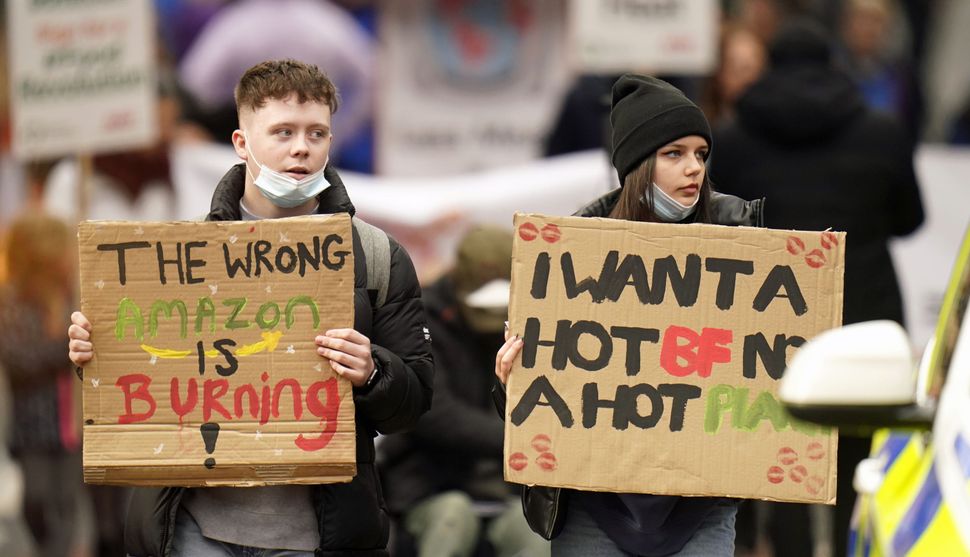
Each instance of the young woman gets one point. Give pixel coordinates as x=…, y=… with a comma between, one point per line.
x=661, y=141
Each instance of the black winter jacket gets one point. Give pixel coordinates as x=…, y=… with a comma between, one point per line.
x=804, y=139
x=352, y=516
x=545, y=507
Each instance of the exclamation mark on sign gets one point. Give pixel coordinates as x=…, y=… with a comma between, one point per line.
x=210, y=432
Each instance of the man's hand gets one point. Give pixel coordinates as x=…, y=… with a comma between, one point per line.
x=349, y=354
x=79, y=345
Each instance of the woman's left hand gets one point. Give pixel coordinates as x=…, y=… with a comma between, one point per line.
x=506, y=355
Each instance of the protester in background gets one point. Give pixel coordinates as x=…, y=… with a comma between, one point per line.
x=742, y=59
x=15, y=538
x=443, y=475
x=582, y=122
x=878, y=61
x=661, y=141
x=45, y=439
x=805, y=139
x=284, y=138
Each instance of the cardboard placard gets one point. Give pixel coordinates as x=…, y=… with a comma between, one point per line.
x=652, y=352
x=205, y=371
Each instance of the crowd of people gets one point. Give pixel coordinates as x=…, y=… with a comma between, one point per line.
x=813, y=107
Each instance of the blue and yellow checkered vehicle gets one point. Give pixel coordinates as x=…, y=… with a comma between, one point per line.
x=914, y=490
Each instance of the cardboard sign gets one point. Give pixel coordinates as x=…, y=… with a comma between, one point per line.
x=652, y=354
x=653, y=36
x=82, y=76
x=205, y=371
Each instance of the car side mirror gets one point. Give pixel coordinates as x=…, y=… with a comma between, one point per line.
x=858, y=377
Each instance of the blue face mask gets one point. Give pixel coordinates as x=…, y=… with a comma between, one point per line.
x=285, y=191
x=669, y=209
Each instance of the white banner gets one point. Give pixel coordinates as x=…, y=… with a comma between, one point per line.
x=646, y=36
x=467, y=84
x=82, y=75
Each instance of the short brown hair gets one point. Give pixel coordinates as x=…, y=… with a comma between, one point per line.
x=278, y=79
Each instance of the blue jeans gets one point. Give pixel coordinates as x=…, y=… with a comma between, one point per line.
x=581, y=537
x=189, y=542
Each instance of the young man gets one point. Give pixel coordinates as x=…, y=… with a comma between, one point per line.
x=285, y=110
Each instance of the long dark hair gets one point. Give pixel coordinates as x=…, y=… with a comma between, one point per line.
x=636, y=189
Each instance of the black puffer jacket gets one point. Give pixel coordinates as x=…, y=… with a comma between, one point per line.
x=545, y=507
x=804, y=139
x=352, y=516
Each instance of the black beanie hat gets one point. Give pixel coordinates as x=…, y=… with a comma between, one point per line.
x=647, y=114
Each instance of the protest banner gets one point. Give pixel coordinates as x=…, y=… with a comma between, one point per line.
x=652, y=354
x=653, y=36
x=82, y=76
x=205, y=371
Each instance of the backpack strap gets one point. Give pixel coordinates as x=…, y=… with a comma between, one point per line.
x=377, y=250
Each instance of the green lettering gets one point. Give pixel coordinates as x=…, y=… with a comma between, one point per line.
x=304, y=300
x=719, y=398
x=204, y=309
x=161, y=306
x=765, y=407
x=238, y=305
x=128, y=313
x=261, y=315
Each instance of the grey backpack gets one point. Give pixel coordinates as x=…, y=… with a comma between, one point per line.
x=377, y=250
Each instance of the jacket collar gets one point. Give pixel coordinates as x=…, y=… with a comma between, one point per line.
x=229, y=190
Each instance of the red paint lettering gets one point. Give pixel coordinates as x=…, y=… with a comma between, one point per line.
x=700, y=352
x=297, y=395
x=140, y=393
x=237, y=401
x=213, y=389
x=264, y=408
x=191, y=398
x=327, y=412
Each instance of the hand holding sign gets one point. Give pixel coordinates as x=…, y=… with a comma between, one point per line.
x=506, y=355
x=79, y=333
x=349, y=354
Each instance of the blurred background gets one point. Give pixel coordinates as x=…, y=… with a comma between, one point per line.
x=454, y=113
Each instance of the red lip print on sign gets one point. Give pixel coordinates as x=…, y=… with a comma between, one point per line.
x=829, y=240
x=528, y=231
x=551, y=233
x=798, y=474
x=547, y=461
x=776, y=475
x=787, y=456
x=815, y=258
x=815, y=451
x=518, y=461
x=795, y=245
x=814, y=485
x=541, y=443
